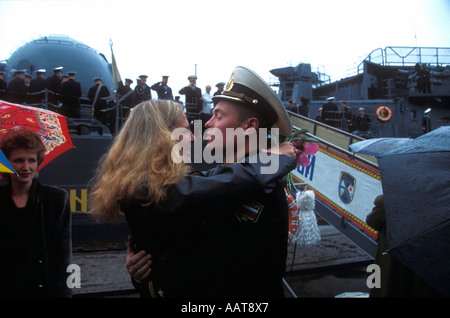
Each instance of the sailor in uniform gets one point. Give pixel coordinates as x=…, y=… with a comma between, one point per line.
x=37, y=87
x=162, y=89
x=98, y=95
x=319, y=117
x=16, y=87
x=239, y=247
x=362, y=122
x=3, y=86
x=426, y=121
x=219, y=91
x=346, y=117
x=330, y=113
x=71, y=93
x=142, y=91
x=125, y=95
x=194, y=99
x=54, y=86
x=38, y=83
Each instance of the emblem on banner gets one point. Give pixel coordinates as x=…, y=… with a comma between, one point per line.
x=346, y=188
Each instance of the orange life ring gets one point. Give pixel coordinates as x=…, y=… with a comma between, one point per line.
x=384, y=113
x=294, y=217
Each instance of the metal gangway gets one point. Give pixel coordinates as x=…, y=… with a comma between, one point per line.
x=345, y=184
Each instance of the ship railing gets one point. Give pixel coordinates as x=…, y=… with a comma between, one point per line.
x=333, y=137
x=407, y=56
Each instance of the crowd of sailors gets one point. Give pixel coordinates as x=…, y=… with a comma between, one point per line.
x=331, y=115
x=62, y=93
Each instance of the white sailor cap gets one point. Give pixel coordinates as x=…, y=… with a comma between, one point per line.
x=330, y=98
x=427, y=111
x=41, y=70
x=56, y=69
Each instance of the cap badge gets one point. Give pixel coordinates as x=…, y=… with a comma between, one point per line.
x=230, y=83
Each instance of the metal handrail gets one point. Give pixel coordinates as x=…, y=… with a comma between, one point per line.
x=437, y=54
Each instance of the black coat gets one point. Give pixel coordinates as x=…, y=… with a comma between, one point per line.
x=346, y=119
x=194, y=101
x=362, y=123
x=219, y=233
x=37, y=87
x=124, y=90
x=164, y=92
x=99, y=103
x=142, y=93
x=17, y=91
x=54, y=87
x=426, y=124
x=71, y=93
x=330, y=114
x=3, y=89
x=37, y=84
x=34, y=262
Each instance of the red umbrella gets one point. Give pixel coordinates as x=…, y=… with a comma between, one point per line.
x=50, y=126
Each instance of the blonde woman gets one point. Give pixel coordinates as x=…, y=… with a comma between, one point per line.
x=172, y=213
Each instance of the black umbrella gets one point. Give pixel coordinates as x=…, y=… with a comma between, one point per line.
x=416, y=187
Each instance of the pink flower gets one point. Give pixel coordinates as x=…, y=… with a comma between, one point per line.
x=301, y=152
x=303, y=160
x=311, y=148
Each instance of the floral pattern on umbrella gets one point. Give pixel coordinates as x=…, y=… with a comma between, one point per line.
x=50, y=126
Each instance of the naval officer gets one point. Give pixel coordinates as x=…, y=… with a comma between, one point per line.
x=142, y=91
x=16, y=87
x=71, y=93
x=37, y=84
x=54, y=86
x=162, y=89
x=330, y=113
x=426, y=121
x=194, y=99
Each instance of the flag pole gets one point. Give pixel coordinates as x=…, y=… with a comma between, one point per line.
x=116, y=78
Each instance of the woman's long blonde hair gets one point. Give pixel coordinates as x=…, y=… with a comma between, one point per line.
x=139, y=165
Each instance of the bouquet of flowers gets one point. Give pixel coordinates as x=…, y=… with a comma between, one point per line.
x=304, y=146
x=308, y=230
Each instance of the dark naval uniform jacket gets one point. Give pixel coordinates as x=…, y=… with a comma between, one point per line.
x=220, y=233
x=142, y=93
x=99, y=103
x=71, y=93
x=37, y=84
x=163, y=91
x=54, y=87
x=330, y=114
x=17, y=90
x=194, y=101
x=35, y=245
x=37, y=87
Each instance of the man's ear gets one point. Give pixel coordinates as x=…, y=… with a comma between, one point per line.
x=252, y=122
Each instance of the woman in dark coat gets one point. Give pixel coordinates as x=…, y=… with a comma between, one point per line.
x=35, y=227
x=179, y=218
